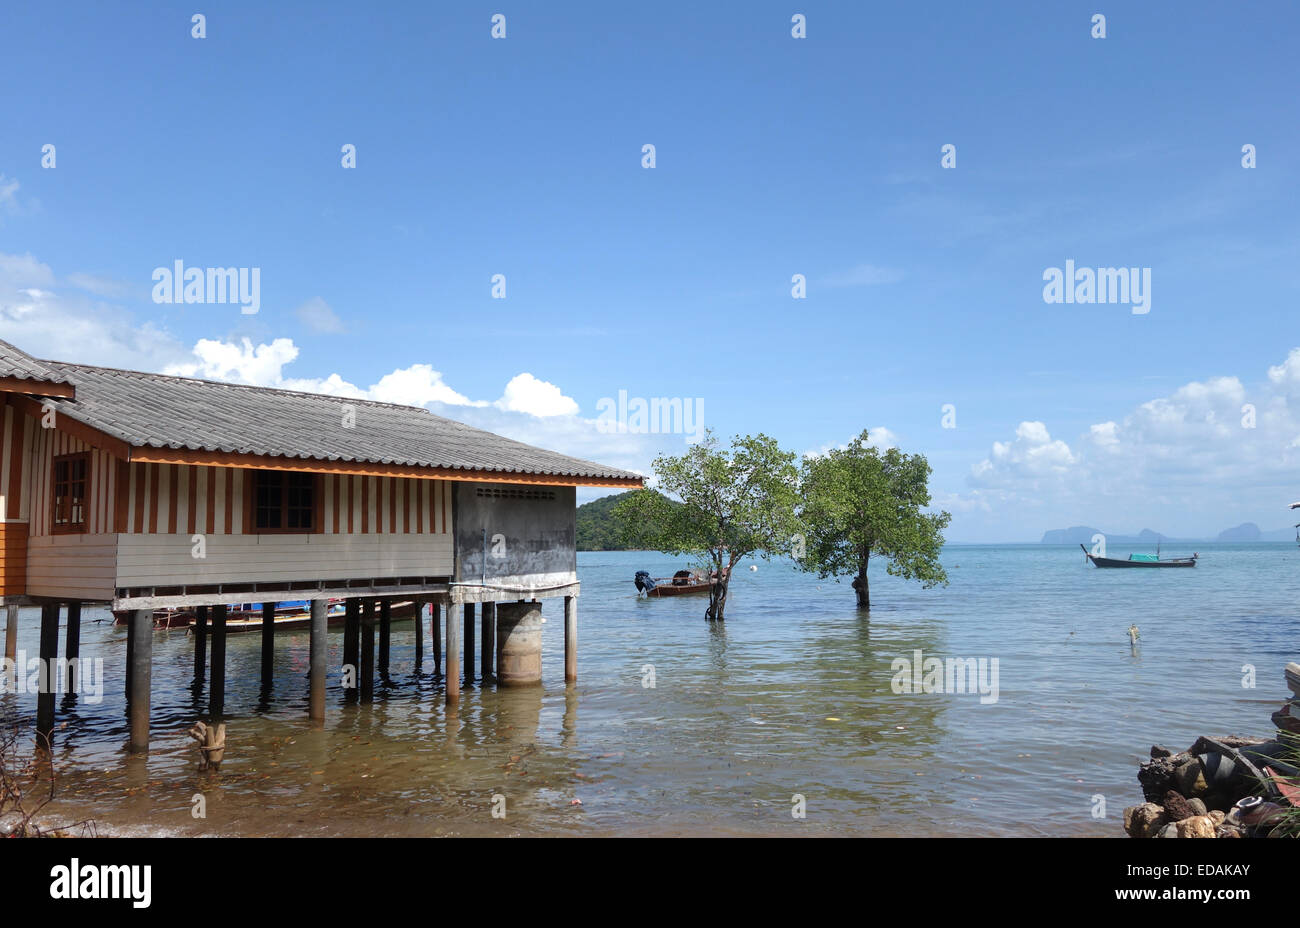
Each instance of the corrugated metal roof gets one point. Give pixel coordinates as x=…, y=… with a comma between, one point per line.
x=158, y=411
x=19, y=364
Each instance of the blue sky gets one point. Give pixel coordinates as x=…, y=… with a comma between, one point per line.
x=775, y=156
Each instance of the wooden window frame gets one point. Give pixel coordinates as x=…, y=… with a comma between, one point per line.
x=70, y=528
x=250, y=504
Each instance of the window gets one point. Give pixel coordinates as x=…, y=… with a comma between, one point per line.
x=71, y=482
x=283, y=502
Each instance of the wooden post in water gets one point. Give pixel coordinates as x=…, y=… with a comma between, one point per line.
x=570, y=639
x=435, y=634
x=385, y=634
x=367, y=654
x=488, y=628
x=201, y=644
x=352, y=642
x=11, y=641
x=11, y=632
x=319, y=633
x=141, y=679
x=130, y=652
x=453, y=655
x=72, y=650
x=469, y=644
x=49, y=652
x=419, y=634
x=268, y=643
x=217, y=691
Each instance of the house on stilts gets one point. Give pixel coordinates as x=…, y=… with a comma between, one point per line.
x=143, y=491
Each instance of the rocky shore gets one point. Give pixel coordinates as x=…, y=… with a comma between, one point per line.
x=1226, y=787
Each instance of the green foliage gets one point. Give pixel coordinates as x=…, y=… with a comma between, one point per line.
x=734, y=503
x=597, y=528
x=859, y=502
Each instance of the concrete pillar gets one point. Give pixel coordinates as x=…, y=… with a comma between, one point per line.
x=352, y=641
x=72, y=650
x=453, y=655
x=385, y=635
x=435, y=634
x=469, y=644
x=319, y=633
x=130, y=652
x=48, y=683
x=570, y=639
x=519, y=643
x=268, y=643
x=367, y=678
x=217, y=690
x=141, y=673
x=488, y=627
x=200, y=644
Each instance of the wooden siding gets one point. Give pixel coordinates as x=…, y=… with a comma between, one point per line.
x=13, y=558
x=47, y=444
x=15, y=439
x=168, y=560
x=164, y=499
x=75, y=566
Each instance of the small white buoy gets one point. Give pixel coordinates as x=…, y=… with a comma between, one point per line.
x=753, y=567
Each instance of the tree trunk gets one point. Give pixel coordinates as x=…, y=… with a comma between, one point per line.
x=718, y=593
x=860, y=586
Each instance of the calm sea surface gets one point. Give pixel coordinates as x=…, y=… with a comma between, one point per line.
x=791, y=695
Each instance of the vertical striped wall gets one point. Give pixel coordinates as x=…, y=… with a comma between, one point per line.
x=15, y=439
x=44, y=446
x=188, y=498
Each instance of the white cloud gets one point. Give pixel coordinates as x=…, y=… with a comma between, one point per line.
x=878, y=437
x=8, y=193
x=525, y=393
x=319, y=317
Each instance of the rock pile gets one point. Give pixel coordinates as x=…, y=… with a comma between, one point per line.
x=1225, y=787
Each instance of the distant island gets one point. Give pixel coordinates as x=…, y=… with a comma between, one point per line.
x=1245, y=533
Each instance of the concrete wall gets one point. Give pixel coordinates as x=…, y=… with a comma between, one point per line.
x=530, y=534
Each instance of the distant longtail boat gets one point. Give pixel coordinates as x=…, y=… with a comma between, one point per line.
x=1141, y=560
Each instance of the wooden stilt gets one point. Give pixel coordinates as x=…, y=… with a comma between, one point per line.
x=469, y=644
x=72, y=650
x=11, y=641
x=488, y=629
x=352, y=642
x=367, y=680
x=419, y=634
x=47, y=678
x=130, y=653
x=570, y=639
x=319, y=633
x=453, y=655
x=201, y=644
x=217, y=690
x=268, y=643
x=435, y=634
x=385, y=635
x=141, y=678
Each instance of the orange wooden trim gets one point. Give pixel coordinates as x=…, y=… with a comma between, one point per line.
x=37, y=387
x=173, y=478
x=87, y=433
x=192, y=513
x=15, y=501
x=153, y=498
x=123, y=489
x=269, y=462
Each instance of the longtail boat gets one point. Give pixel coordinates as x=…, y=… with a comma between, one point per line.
x=1141, y=560
x=679, y=584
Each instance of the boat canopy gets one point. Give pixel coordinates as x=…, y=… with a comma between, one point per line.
x=1143, y=557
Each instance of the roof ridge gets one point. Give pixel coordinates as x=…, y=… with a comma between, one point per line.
x=64, y=365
